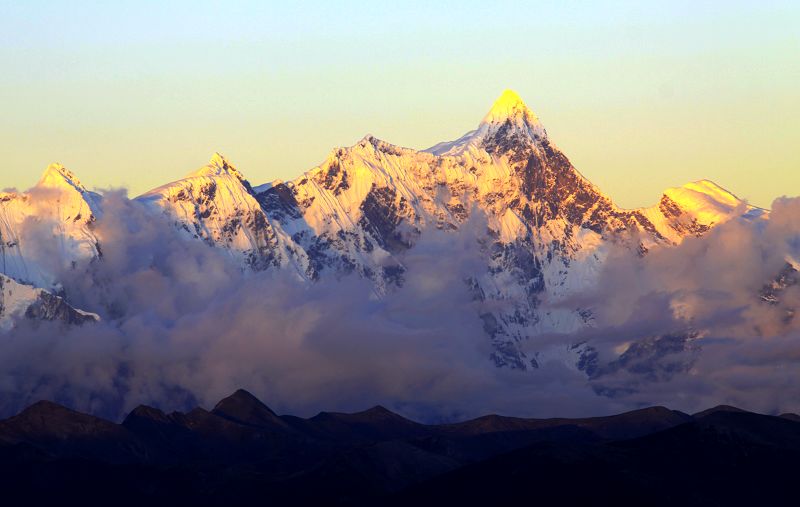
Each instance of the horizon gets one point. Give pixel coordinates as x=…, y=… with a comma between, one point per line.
x=133, y=98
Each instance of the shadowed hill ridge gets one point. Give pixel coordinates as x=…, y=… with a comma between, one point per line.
x=242, y=452
x=718, y=408
x=244, y=408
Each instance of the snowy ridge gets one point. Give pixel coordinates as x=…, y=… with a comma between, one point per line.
x=694, y=208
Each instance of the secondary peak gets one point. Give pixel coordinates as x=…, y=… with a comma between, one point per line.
x=219, y=165
x=58, y=176
x=219, y=160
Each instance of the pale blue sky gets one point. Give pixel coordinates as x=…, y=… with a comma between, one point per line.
x=640, y=95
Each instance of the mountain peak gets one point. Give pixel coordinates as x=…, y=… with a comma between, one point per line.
x=712, y=190
x=371, y=142
x=509, y=117
x=219, y=165
x=714, y=410
x=241, y=397
x=219, y=160
x=146, y=412
x=244, y=408
x=59, y=177
x=510, y=106
x=708, y=202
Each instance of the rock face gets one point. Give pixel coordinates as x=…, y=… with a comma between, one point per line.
x=543, y=230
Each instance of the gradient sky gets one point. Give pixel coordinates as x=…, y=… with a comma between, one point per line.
x=640, y=95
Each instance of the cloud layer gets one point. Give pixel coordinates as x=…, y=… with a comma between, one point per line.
x=183, y=325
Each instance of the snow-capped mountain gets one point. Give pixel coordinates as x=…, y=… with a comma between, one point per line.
x=543, y=229
x=218, y=205
x=58, y=206
x=548, y=229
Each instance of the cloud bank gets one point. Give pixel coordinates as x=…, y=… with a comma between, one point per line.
x=183, y=325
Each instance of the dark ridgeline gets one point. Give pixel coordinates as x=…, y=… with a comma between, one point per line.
x=242, y=453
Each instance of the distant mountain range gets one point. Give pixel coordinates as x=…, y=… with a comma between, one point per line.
x=242, y=453
x=542, y=231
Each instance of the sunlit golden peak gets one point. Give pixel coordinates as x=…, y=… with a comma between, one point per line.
x=219, y=160
x=219, y=165
x=509, y=105
x=56, y=175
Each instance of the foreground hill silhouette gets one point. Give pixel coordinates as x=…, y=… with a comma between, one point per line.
x=241, y=452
